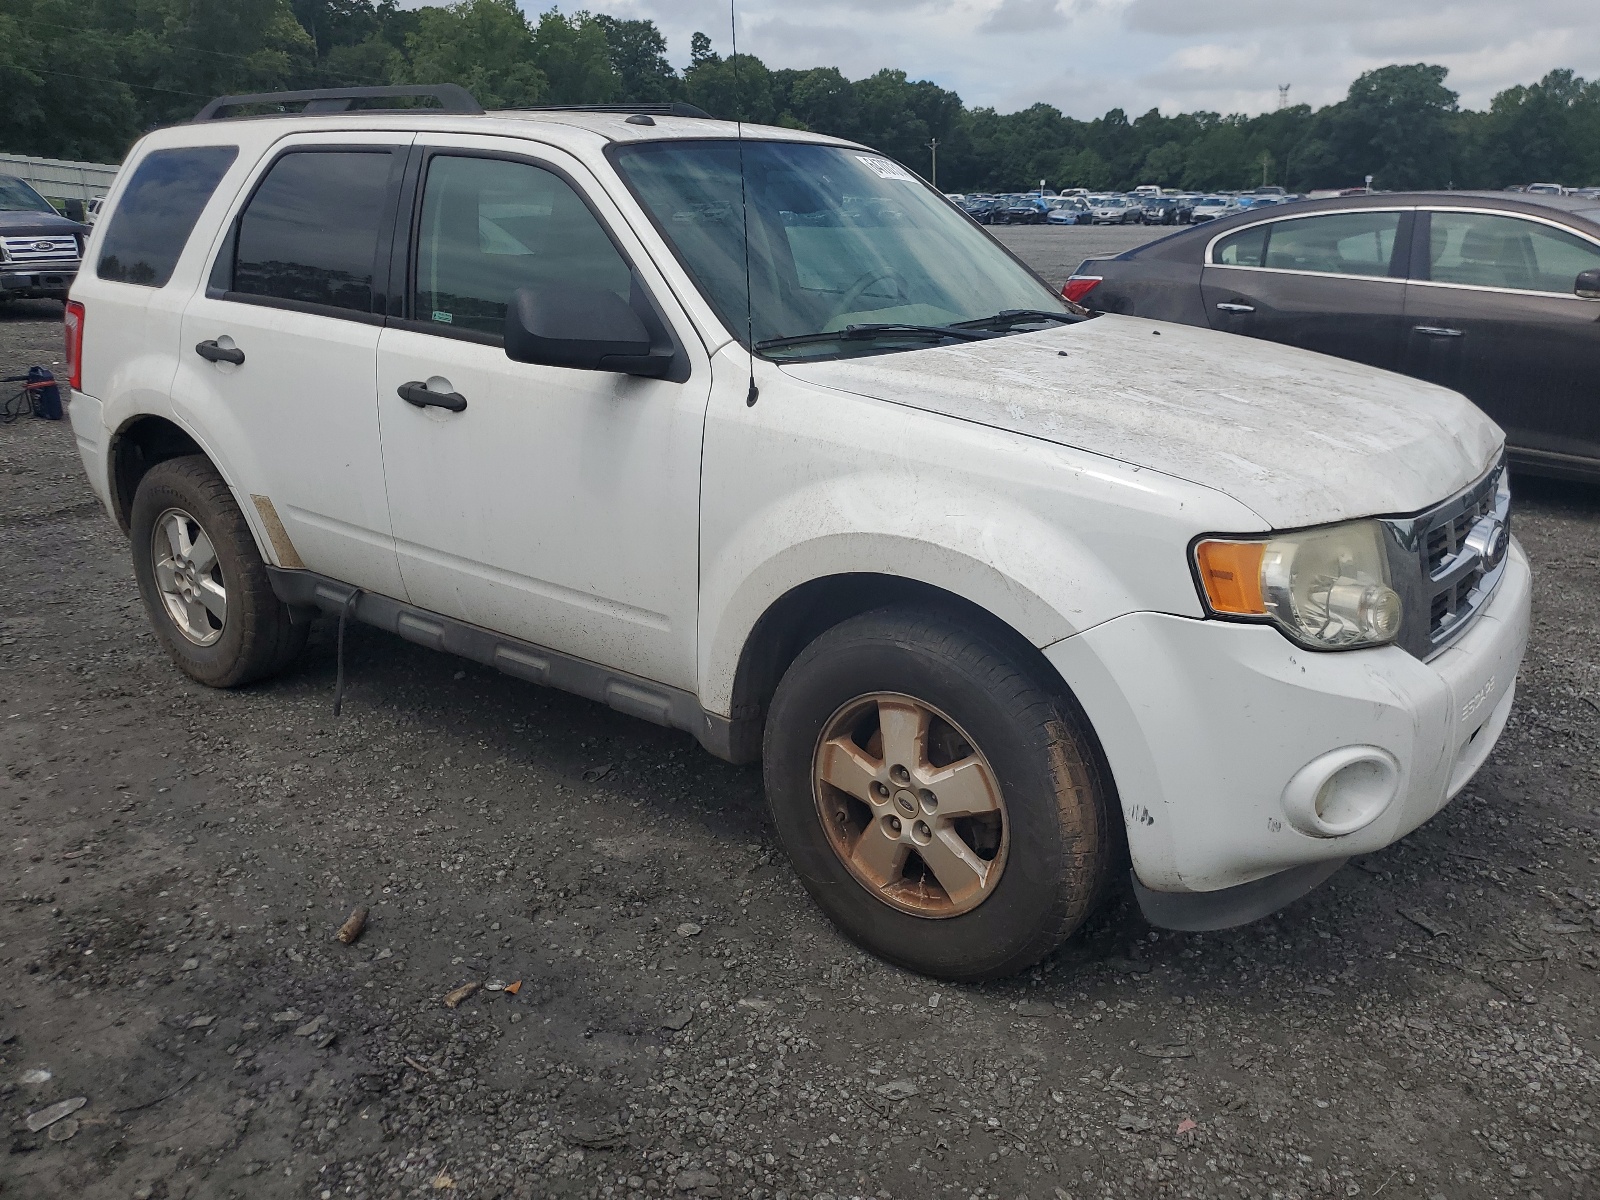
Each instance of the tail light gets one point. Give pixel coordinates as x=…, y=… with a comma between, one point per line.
x=74, y=329
x=1079, y=286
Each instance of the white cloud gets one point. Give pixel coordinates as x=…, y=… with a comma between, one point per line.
x=1024, y=16
x=1088, y=56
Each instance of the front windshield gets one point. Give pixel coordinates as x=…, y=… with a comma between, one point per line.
x=16, y=196
x=838, y=238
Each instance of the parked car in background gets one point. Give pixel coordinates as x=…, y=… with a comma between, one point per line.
x=1209, y=208
x=1159, y=210
x=40, y=250
x=1022, y=210
x=980, y=208
x=1069, y=210
x=1114, y=210
x=1494, y=295
x=1545, y=189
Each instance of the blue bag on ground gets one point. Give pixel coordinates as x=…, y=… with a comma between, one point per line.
x=46, y=395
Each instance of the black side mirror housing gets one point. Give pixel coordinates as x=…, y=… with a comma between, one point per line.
x=583, y=328
x=76, y=211
x=1588, y=286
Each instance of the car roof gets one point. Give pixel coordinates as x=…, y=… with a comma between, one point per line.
x=1182, y=245
x=575, y=130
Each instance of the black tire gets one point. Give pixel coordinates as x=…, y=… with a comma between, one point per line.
x=1058, y=799
x=258, y=638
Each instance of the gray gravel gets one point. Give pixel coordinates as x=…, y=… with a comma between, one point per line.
x=1056, y=251
x=177, y=860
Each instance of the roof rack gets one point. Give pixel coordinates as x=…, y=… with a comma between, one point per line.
x=452, y=98
x=674, y=108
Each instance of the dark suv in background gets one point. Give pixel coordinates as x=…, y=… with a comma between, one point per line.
x=40, y=250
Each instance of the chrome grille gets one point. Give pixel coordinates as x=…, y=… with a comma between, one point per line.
x=1448, y=560
x=51, y=249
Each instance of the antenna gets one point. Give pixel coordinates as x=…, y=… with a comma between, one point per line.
x=1283, y=95
x=754, y=394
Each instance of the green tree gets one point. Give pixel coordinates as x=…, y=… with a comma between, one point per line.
x=639, y=57
x=738, y=87
x=484, y=45
x=1164, y=165
x=1397, y=125
x=575, y=59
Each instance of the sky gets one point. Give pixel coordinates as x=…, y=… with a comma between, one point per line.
x=1089, y=56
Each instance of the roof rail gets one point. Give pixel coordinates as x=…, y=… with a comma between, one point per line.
x=674, y=108
x=452, y=98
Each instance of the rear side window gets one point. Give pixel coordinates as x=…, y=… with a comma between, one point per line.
x=310, y=233
x=490, y=226
x=1358, y=243
x=1245, y=249
x=156, y=214
x=1504, y=252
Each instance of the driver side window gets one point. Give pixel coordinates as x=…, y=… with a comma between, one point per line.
x=490, y=226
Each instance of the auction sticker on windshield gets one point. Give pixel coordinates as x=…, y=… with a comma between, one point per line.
x=885, y=169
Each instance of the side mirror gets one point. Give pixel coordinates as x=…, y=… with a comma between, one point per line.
x=584, y=328
x=76, y=211
x=1588, y=286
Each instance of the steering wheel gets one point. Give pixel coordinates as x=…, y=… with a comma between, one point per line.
x=859, y=288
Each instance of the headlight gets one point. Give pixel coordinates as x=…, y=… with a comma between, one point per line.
x=1327, y=589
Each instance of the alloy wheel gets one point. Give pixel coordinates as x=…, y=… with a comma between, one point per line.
x=910, y=805
x=189, y=577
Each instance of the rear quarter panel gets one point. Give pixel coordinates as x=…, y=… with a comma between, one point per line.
x=1156, y=288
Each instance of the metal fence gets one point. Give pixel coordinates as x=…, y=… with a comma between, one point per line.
x=58, y=179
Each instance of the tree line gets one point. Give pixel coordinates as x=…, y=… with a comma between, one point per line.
x=81, y=79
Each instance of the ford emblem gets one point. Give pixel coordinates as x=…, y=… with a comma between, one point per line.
x=44, y=247
x=1489, y=541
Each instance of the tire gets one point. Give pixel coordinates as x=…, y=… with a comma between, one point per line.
x=1044, y=858
x=253, y=637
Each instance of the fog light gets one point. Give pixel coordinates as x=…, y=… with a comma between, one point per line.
x=1342, y=791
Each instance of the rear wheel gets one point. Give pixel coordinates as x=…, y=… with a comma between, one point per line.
x=941, y=803
x=203, y=581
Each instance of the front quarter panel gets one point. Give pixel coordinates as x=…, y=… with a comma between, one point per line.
x=811, y=482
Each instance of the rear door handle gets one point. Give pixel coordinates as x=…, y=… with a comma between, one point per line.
x=421, y=395
x=212, y=352
x=1437, y=331
x=1236, y=308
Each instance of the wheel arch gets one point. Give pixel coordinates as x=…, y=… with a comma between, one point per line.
x=800, y=615
x=140, y=443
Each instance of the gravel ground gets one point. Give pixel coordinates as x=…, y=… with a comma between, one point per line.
x=1056, y=250
x=176, y=862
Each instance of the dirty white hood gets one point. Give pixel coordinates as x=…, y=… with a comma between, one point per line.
x=1299, y=438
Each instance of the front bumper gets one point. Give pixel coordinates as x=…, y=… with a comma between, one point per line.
x=1205, y=723
x=52, y=280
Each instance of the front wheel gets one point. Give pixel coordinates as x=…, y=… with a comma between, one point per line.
x=942, y=804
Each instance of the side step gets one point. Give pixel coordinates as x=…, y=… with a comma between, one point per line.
x=650, y=701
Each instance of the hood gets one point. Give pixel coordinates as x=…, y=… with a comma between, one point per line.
x=18, y=223
x=1299, y=438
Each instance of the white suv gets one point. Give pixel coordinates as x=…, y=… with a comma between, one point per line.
x=761, y=438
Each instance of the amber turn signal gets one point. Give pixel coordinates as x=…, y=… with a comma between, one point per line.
x=1230, y=572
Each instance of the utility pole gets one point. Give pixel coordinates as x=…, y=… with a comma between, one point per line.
x=933, y=145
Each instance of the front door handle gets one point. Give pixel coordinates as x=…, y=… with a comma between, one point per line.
x=212, y=352
x=421, y=395
x=1437, y=331
x=1236, y=308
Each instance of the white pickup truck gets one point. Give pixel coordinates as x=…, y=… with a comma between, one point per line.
x=752, y=433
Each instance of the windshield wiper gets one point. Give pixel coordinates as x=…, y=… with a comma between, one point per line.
x=1011, y=317
x=858, y=333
